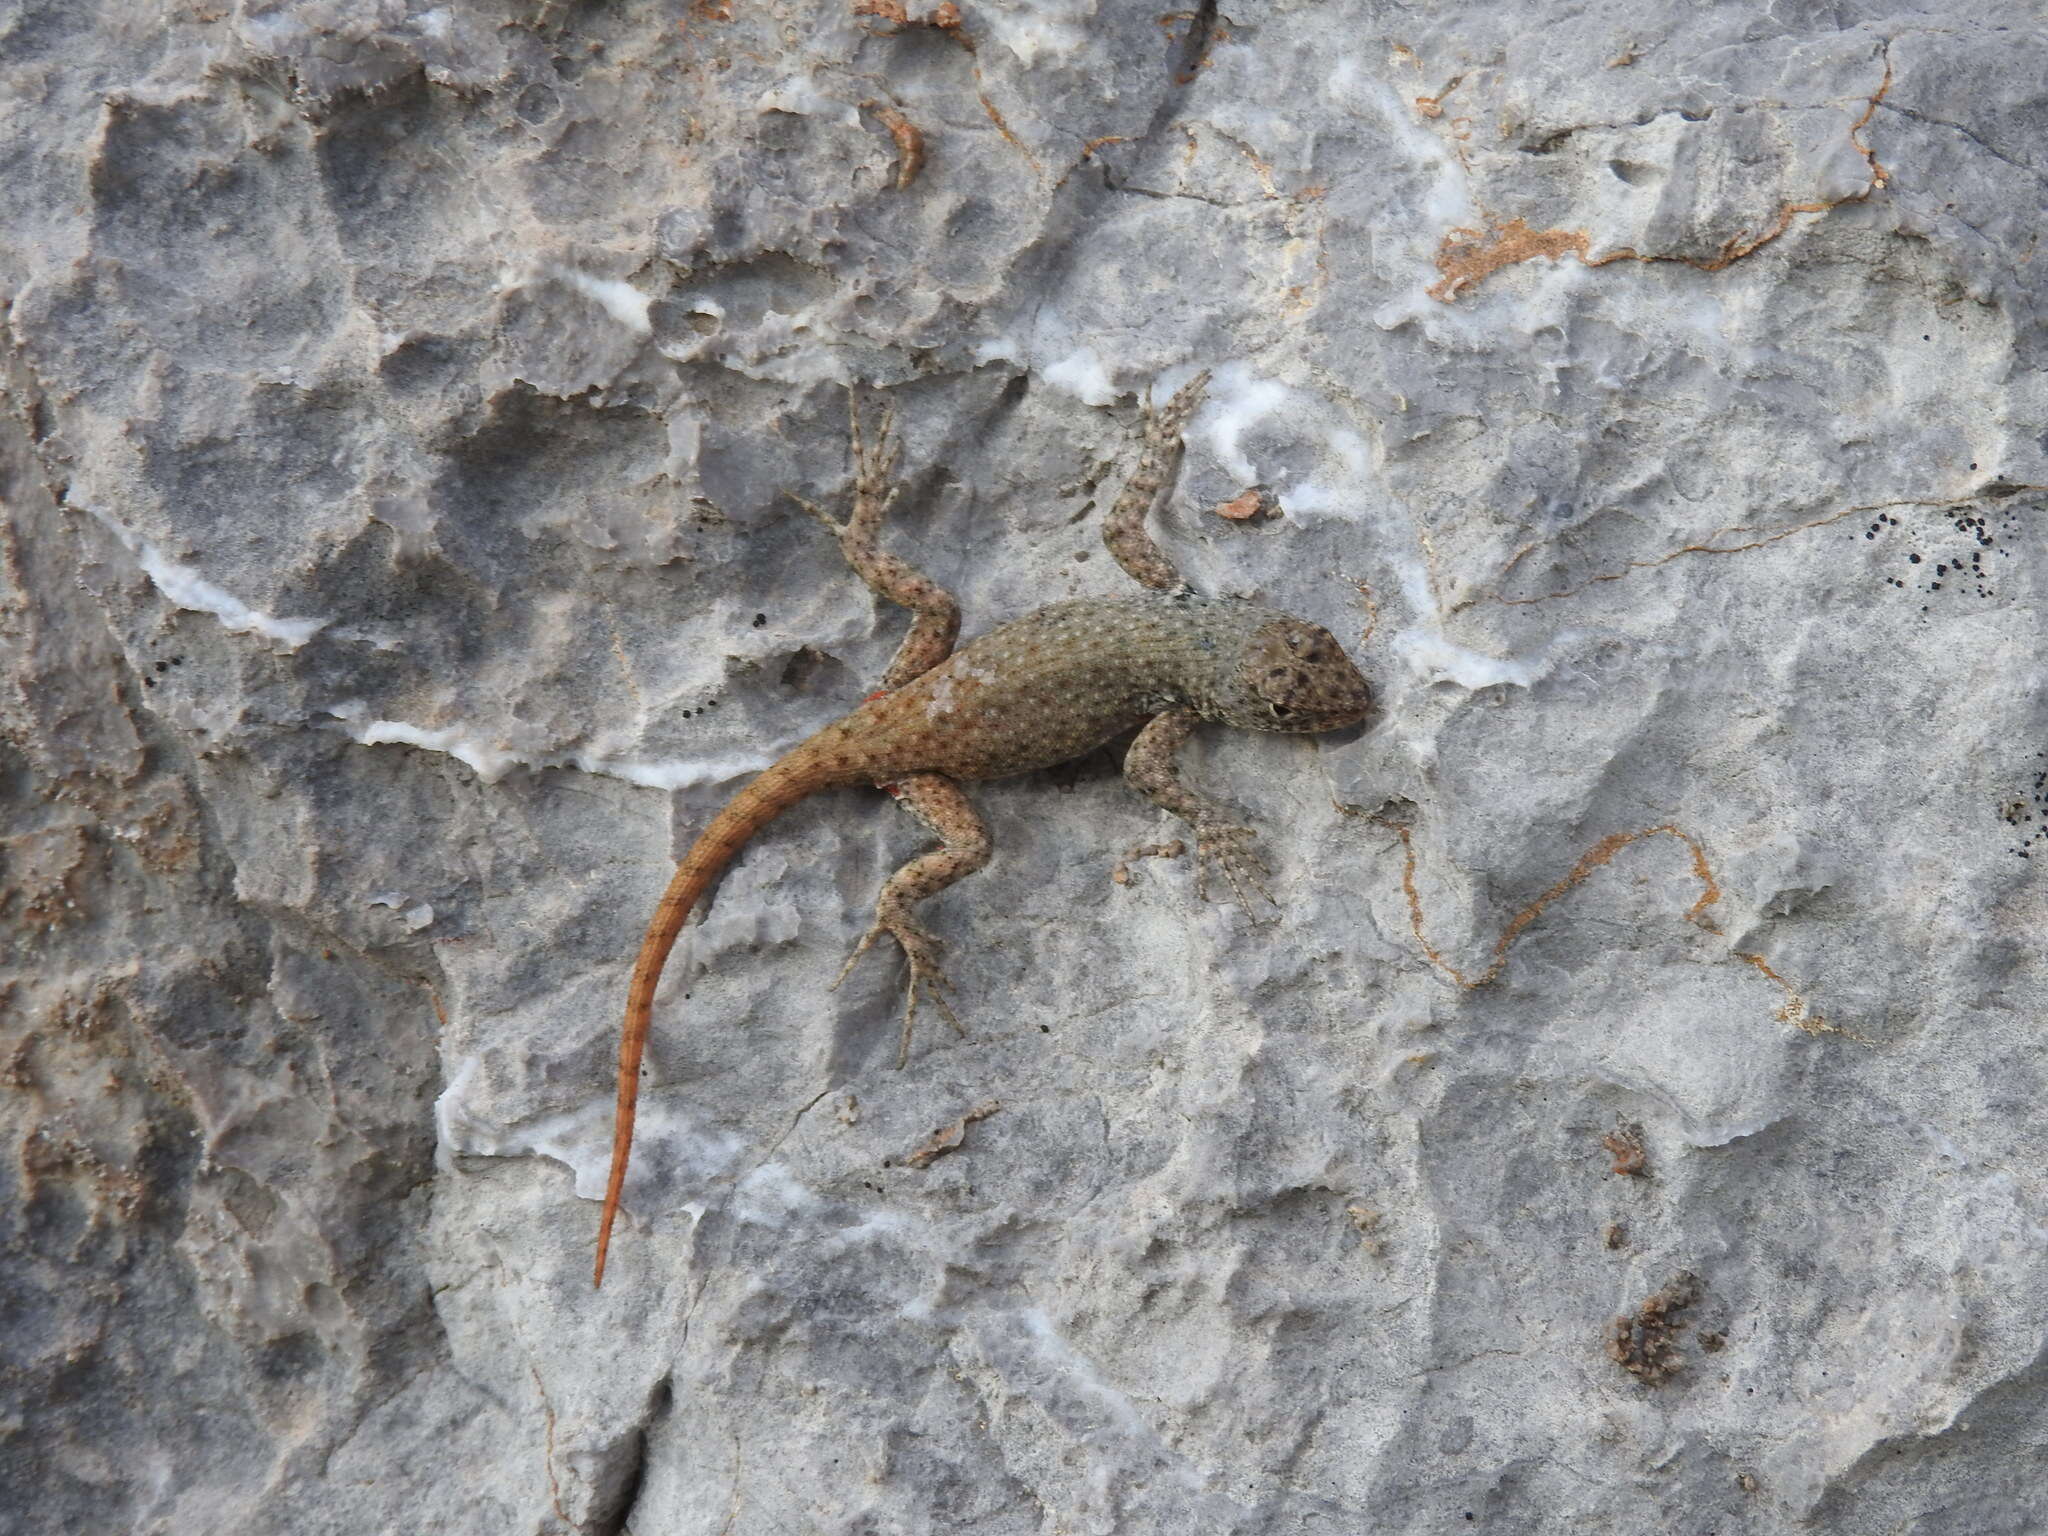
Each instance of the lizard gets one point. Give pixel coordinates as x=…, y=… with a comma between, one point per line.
x=1040, y=690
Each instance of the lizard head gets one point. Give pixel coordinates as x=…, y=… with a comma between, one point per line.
x=1296, y=677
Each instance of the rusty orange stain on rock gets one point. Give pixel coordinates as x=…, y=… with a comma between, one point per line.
x=1470, y=256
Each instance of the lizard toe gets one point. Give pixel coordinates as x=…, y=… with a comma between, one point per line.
x=1226, y=848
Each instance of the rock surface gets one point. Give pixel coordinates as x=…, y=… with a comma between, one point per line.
x=1631, y=1123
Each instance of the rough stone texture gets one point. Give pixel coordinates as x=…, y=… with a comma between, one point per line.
x=399, y=402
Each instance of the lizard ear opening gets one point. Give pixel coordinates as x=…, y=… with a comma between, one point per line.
x=1280, y=687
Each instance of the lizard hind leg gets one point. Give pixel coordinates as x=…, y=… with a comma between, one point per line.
x=964, y=848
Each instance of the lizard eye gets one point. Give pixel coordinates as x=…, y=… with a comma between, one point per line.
x=1308, y=645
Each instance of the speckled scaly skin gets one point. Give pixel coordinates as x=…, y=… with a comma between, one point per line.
x=1040, y=690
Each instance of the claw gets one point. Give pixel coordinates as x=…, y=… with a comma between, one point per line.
x=859, y=949
x=927, y=979
x=874, y=467
x=931, y=985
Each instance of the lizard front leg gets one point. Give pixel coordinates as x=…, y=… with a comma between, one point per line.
x=1221, y=843
x=935, y=622
x=1124, y=529
x=938, y=802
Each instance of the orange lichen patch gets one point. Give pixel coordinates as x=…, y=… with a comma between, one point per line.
x=1088, y=153
x=48, y=872
x=1470, y=256
x=1372, y=610
x=1169, y=23
x=1243, y=506
x=1002, y=127
x=947, y=1138
x=711, y=10
x=1795, y=1009
x=1305, y=206
x=166, y=834
x=1624, y=1144
x=1268, y=185
x=1433, y=106
x=1645, y=1345
x=909, y=141
x=1879, y=176
x=1601, y=853
x=943, y=18
x=1710, y=891
x=60, y=1155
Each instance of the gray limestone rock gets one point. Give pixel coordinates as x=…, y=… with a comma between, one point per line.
x=1632, y=1120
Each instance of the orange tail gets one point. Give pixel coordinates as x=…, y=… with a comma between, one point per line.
x=767, y=797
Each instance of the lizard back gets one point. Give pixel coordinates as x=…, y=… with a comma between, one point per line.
x=1058, y=682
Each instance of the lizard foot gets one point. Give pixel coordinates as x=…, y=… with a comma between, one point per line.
x=927, y=977
x=873, y=466
x=1226, y=848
